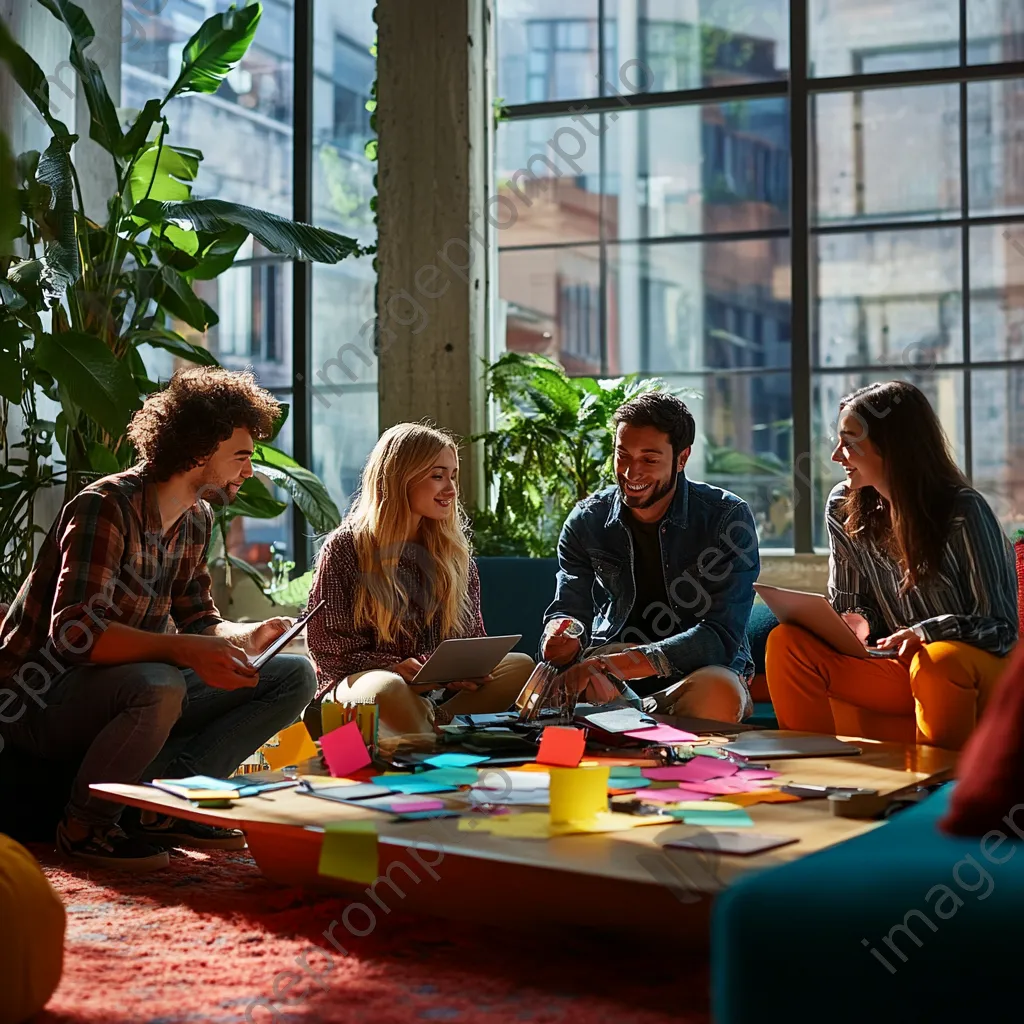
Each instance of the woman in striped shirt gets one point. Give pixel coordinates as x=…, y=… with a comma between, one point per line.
x=918, y=565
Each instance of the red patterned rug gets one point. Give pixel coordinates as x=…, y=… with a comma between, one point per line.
x=205, y=941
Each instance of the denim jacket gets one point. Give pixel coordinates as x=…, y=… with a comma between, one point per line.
x=710, y=560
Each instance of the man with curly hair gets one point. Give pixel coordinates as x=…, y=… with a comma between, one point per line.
x=115, y=643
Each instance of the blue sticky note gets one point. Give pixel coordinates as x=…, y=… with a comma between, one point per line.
x=411, y=784
x=455, y=760
x=203, y=782
x=450, y=776
x=423, y=815
x=728, y=819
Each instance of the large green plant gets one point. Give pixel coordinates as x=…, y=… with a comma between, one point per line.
x=552, y=446
x=82, y=300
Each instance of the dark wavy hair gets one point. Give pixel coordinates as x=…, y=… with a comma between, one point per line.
x=912, y=526
x=663, y=411
x=181, y=425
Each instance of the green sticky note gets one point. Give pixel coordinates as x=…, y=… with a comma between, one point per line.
x=349, y=851
x=729, y=819
x=627, y=782
x=622, y=771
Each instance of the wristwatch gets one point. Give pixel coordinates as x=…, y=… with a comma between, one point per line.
x=574, y=629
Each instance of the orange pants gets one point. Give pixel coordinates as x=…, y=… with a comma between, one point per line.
x=934, y=696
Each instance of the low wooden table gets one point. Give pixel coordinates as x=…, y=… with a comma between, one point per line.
x=614, y=880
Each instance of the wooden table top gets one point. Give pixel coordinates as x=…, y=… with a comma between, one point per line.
x=626, y=856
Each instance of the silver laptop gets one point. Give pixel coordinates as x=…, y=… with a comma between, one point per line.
x=471, y=658
x=814, y=613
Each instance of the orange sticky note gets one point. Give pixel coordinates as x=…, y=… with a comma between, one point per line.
x=561, y=746
x=344, y=749
x=293, y=746
x=760, y=796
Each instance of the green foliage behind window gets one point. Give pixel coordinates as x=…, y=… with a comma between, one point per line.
x=551, y=447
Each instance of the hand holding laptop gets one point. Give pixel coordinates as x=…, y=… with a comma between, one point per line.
x=860, y=626
x=903, y=641
x=408, y=668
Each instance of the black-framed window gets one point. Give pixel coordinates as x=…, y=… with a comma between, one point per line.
x=286, y=132
x=776, y=203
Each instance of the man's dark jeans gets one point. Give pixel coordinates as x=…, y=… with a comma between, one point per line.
x=151, y=720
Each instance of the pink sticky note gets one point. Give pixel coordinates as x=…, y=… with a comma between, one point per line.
x=721, y=787
x=409, y=806
x=753, y=774
x=344, y=750
x=672, y=796
x=662, y=734
x=698, y=769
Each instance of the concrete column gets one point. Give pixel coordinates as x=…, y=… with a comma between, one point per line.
x=433, y=119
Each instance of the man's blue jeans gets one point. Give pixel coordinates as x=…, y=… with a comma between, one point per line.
x=130, y=723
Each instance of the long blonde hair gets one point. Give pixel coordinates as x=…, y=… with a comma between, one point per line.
x=381, y=523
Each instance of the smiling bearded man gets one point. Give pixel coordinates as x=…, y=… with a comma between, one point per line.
x=114, y=638
x=655, y=576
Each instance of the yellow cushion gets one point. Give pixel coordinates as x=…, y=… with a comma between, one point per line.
x=32, y=935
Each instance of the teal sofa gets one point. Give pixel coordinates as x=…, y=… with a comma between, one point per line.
x=863, y=931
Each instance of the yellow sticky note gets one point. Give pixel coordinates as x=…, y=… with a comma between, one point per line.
x=349, y=851
x=331, y=716
x=607, y=821
x=530, y=825
x=578, y=794
x=293, y=747
x=761, y=796
x=537, y=825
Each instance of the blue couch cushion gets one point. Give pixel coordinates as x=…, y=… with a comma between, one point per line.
x=902, y=923
x=514, y=594
x=761, y=622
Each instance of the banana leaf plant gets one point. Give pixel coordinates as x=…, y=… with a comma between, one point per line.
x=80, y=300
x=551, y=447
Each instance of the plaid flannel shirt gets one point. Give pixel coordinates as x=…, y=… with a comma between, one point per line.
x=106, y=559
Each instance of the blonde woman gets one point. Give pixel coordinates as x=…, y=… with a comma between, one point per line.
x=398, y=579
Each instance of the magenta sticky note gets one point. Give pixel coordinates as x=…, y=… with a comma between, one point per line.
x=672, y=796
x=755, y=774
x=697, y=769
x=662, y=734
x=721, y=787
x=344, y=750
x=409, y=806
